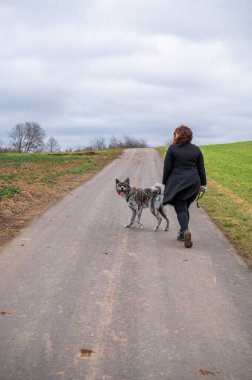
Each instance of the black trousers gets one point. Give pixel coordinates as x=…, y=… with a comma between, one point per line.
x=182, y=210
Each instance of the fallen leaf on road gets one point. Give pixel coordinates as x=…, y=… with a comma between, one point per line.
x=85, y=353
x=204, y=372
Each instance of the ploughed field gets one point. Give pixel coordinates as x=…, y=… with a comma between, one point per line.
x=228, y=199
x=29, y=183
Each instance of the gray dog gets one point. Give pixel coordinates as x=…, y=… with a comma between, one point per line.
x=138, y=199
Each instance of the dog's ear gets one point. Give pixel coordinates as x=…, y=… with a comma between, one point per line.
x=117, y=181
x=127, y=181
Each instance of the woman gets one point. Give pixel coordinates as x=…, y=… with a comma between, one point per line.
x=184, y=176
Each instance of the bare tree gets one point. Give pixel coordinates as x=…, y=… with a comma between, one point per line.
x=131, y=142
x=99, y=143
x=27, y=137
x=34, y=137
x=115, y=143
x=127, y=142
x=52, y=145
x=17, y=137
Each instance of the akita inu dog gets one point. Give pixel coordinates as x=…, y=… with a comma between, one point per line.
x=138, y=199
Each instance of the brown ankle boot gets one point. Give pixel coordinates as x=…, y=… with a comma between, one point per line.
x=188, y=239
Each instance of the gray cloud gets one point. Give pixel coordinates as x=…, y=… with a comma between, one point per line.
x=84, y=69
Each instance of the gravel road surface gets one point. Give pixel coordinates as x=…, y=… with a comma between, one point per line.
x=83, y=298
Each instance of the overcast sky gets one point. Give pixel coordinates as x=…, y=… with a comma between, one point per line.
x=90, y=68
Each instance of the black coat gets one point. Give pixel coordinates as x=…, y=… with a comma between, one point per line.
x=184, y=173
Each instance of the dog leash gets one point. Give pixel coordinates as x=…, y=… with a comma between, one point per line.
x=200, y=195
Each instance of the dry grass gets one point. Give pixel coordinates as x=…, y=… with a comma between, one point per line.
x=29, y=184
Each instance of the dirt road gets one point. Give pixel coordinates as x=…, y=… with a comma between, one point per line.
x=82, y=297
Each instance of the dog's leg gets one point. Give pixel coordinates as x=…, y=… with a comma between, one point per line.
x=163, y=213
x=139, y=214
x=155, y=212
x=133, y=217
x=159, y=219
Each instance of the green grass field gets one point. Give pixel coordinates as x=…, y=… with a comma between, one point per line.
x=228, y=199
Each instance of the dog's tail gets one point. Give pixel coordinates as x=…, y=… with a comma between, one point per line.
x=158, y=189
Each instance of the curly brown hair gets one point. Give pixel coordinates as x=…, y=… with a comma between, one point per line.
x=185, y=135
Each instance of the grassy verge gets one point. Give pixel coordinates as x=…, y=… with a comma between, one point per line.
x=29, y=183
x=228, y=200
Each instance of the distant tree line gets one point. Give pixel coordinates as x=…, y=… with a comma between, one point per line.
x=30, y=137
x=125, y=142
